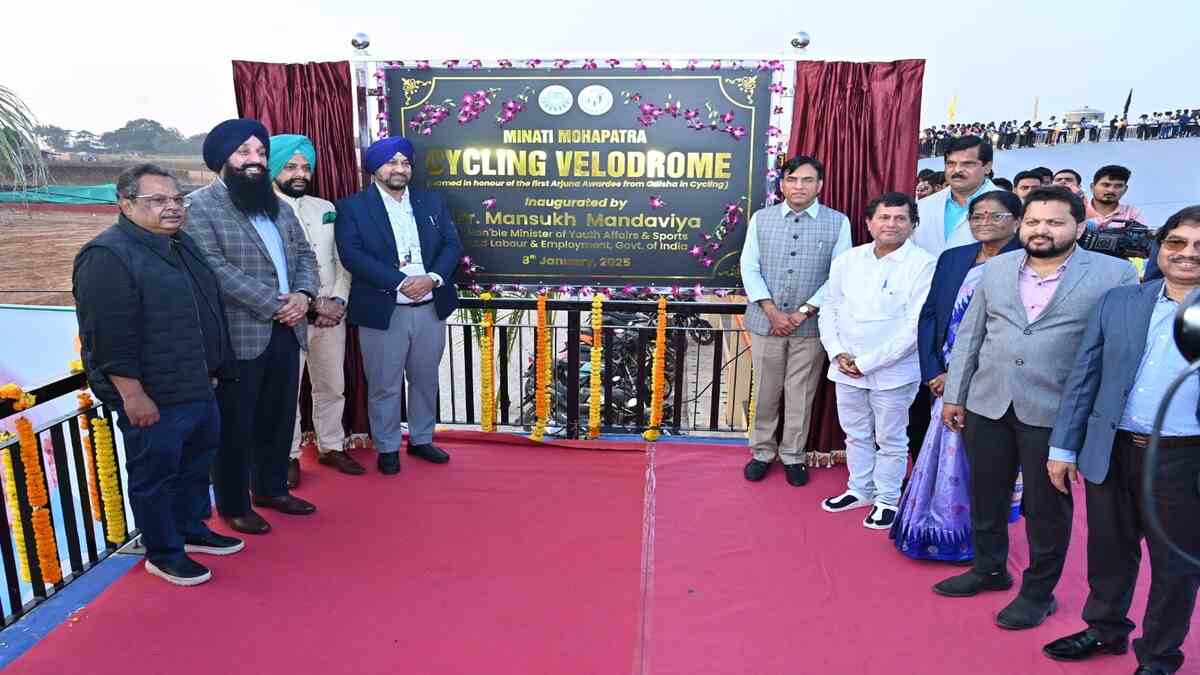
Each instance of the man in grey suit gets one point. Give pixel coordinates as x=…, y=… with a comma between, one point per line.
x=268, y=274
x=1125, y=364
x=1012, y=356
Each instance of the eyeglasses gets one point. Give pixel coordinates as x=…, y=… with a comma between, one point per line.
x=161, y=201
x=1175, y=244
x=993, y=218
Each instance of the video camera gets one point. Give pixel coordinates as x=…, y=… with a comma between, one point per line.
x=1130, y=241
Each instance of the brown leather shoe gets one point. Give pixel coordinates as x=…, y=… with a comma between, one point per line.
x=293, y=478
x=248, y=523
x=293, y=506
x=342, y=461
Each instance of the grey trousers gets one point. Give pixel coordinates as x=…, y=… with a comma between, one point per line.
x=411, y=346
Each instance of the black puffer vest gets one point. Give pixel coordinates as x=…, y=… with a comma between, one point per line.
x=173, y=365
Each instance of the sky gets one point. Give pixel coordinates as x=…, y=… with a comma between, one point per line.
x=110, y=63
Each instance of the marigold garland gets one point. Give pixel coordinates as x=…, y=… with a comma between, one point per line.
x=106, y=468
x=89, y=452
x=487, y=378
x=658, y=383
x=542, y=394
x=594, y=377
x=14, y=514
x=11, y=391
x=39, y=503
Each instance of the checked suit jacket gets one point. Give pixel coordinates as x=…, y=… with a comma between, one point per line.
x=243, y=267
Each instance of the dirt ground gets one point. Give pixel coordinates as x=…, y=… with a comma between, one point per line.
x=37, y=248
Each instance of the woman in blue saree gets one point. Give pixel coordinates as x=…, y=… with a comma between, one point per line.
x=934, y=518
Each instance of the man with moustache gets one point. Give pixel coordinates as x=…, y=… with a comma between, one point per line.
x=944, y=214
x=268, y=275
x=1070, y=179
x=1105, y=209
x=402, y=248
x=868, y=327
x=1007, y=371
x=292, y=162
x=1126, y=362
x=785, y=267
x=154, y=344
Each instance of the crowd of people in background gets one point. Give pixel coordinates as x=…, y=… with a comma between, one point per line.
x=1009, y=134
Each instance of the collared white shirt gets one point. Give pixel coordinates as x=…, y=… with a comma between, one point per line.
x=408, y=242
x=751, y=263
x=871, y=310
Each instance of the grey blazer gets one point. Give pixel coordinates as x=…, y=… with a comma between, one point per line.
x=244, y=269
x=1104, y=374
x=1000, y=359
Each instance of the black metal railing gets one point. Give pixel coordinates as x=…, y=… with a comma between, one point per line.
x=705, y=363
x=78, y=531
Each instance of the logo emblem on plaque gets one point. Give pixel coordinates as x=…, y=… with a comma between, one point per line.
x=595, y=99
x=555, y=100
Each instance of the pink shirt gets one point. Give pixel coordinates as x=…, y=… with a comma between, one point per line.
x=1123, y=212
x=1036, y=291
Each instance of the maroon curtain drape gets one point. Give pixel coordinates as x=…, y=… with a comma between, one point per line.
x=861, y=120
x=314, y=99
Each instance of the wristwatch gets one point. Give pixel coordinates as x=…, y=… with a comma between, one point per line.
x=310, y=296
x=807, y=310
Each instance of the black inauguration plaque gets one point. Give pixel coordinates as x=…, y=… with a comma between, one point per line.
x=601, y=177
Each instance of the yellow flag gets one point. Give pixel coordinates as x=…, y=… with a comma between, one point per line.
x=953, y=112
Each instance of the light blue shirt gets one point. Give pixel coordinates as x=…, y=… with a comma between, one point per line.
x=751, y=263
x=270, y=236
x=954, y=213
x=1161, y=362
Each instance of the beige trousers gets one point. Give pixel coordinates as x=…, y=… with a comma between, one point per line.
x=326, y=357
x=785, y=369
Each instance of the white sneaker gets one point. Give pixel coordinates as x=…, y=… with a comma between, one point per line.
x=844, y=502
x=881, y=518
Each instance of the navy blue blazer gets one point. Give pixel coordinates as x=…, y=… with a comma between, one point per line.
x=1098, y=387
x=952, y=267
x=367, y=247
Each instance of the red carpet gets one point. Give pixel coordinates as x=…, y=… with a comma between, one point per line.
x=522, y=559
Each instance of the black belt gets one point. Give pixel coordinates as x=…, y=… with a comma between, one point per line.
x=1142, y=440
x=414, y=304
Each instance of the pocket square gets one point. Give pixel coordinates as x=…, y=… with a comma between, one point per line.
x=329, y=217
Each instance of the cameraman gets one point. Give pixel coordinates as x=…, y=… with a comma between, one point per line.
x=1103, y=426
x=1109, y=185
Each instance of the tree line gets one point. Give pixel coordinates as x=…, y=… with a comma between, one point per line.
x=140, y=136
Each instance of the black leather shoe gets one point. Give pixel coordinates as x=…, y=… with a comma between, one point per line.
x=797, y=474
x=971, y=583
x=429, y=452
x=250, y=523
x=293, y=506
x=388, y=463
x=1083, y=645
x=181, y=572
x=755, y=470
x=342, y=461
x=293, y=476
x=213, y=544
x=1024, y=613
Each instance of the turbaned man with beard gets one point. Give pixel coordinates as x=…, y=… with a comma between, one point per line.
x=268, y=277
x=292, y=163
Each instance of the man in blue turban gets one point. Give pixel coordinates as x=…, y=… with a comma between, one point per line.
x=402, y=249
x=268, y=277
x=292, y=163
